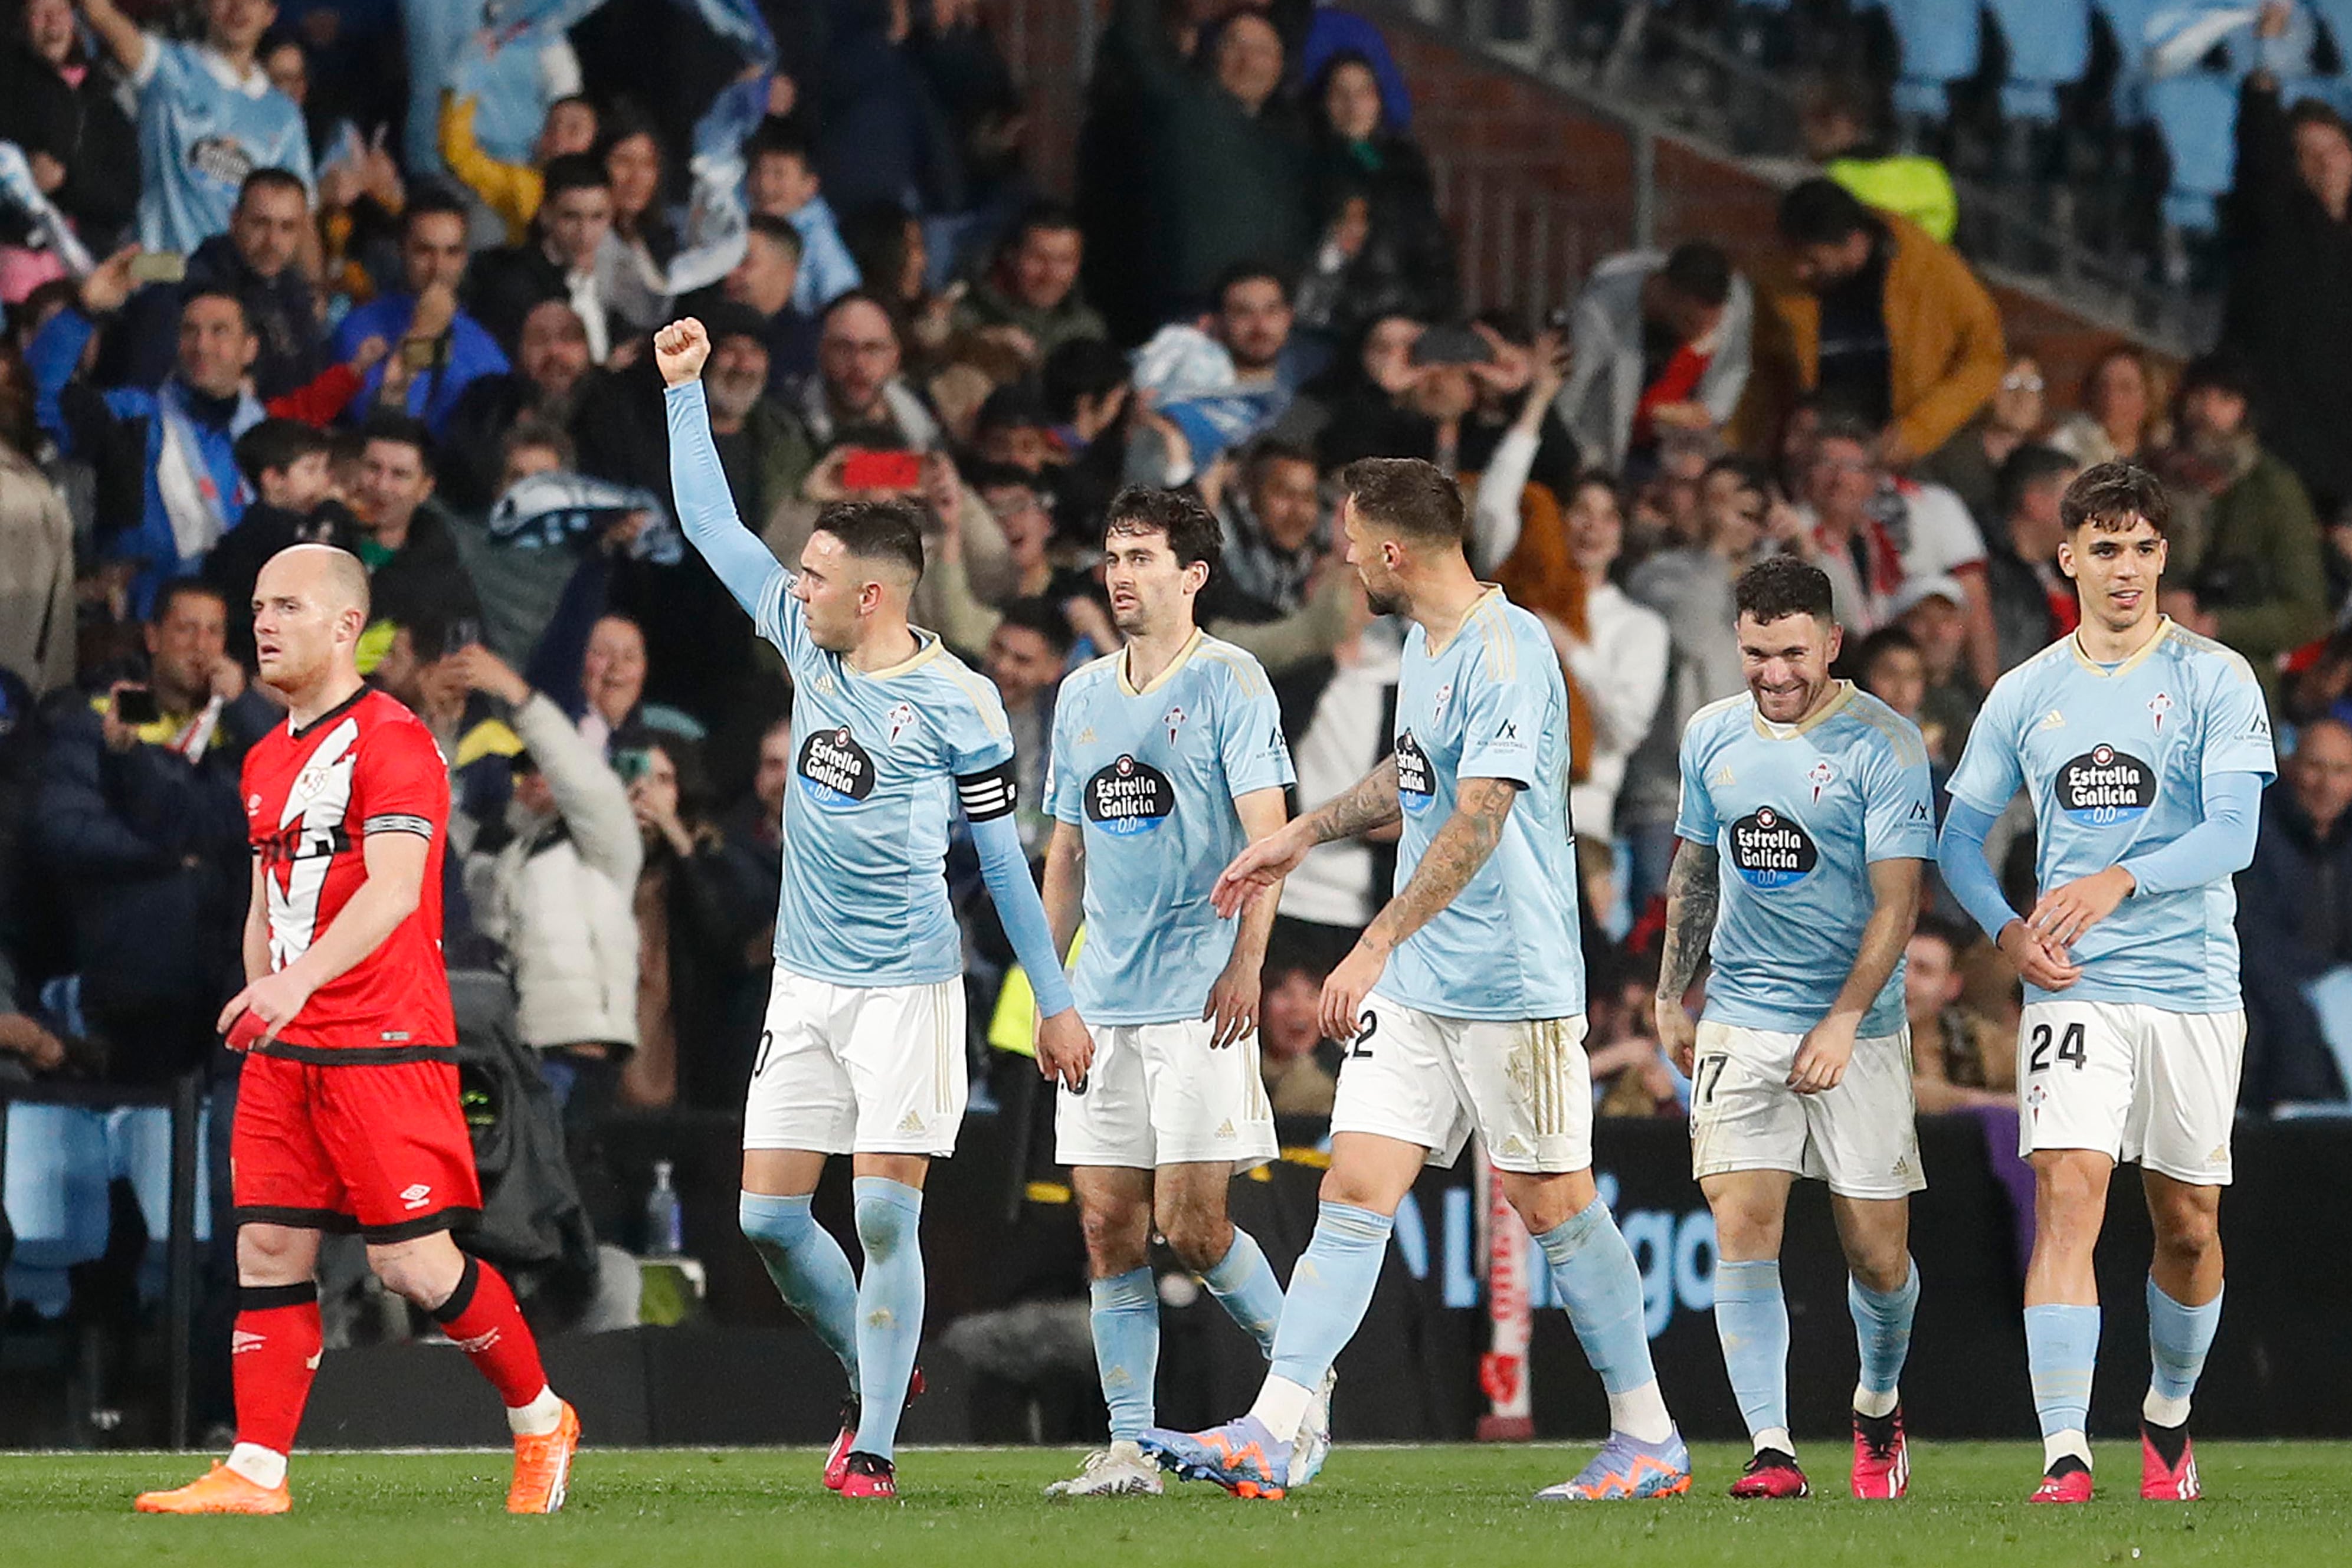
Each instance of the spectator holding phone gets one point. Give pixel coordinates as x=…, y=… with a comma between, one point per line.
x=1662, y=345
x=140, y=826
x=439, y=350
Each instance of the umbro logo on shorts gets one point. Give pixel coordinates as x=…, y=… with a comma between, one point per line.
x=414, y=1197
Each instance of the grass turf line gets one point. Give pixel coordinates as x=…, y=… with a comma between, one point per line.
x=2270, y=1505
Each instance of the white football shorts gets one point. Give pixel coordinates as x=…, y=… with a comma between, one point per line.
x=2131, y=1081
x=1861, y=1137
x=1159, y=1094
x=868, y=1069
x=1523, y=1085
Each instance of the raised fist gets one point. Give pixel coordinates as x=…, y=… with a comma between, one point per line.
x=680, y=350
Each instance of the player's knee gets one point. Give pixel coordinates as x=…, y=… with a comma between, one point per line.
x=1199, y=1237
x=2067, y=1196
x=269, y=1254
x=2187, y=1231
x=1747, y=1231
x=1118, y=1237
x=419, y=1273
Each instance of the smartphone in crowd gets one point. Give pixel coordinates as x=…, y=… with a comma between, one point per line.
x=135, y=705
x=159, y=266
x=865, y=470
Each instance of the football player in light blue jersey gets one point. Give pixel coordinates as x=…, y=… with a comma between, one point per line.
x=1807, y=818
x=1463, y=1003
x=2144, y=749
x=863, y=1052
x=1168, y=759
x=207, y=117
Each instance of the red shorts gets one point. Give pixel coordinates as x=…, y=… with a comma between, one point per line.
x=379, y=1149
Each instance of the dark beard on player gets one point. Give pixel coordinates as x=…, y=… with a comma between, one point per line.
x=1388, y=603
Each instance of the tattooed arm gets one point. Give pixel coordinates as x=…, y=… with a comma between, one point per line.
x=1372, y=803
x=1463, y=843
x=1693, y=896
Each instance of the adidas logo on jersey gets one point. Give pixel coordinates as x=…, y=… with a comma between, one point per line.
x=2053, y=719
x=912, y=1122
x=1722, y=779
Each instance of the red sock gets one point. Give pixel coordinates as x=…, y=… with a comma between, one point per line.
x=273, y=1357
x=481, y=1319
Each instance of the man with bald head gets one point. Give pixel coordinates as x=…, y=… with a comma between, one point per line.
x=347, y=1116
x=2294, y=919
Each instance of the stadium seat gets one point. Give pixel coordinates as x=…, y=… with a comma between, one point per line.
x=2197, y=115
x=1940, y=46
x=2049, y=44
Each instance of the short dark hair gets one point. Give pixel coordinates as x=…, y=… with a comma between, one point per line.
x=1248, y=271
x=401, y=430
x=2108, y=495
x=2220, y=369
x=1046, y=215
x=218, y=291
x=2314, y=111
x=841, y=302
x=1879, y=644
x=2028, y=466
x=1041, y=615
x=1819, y=211
x=529, y=433
x=1414, y=497
x=571, y=172
x=778, y=229
x=1949, y=933
x=276, y=445
x=1015, y=406
x=1192, y=534
x=1272, y=450
x=272, y=179
x=180, y=588
x=1699, y=271
x=777, y=140
x=430, y=202
x=1781, y=586
x=1836, y=424
x=876, y=530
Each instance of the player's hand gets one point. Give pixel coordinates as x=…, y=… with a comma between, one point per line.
x=2041, y=961
x=1257, y=868
x=2065, y=912
x=272, y=1002
x=1678, y=1035
x=109, y=286
x=1822, y=1055
x=1065, y=1052
x=485, y=672
x=1232, y=1004
x=1344, y=990
x=680, y=350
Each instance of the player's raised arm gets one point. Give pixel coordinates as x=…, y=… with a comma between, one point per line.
x=706, y=508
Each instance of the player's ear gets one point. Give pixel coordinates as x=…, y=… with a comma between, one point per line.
x=2066, y=556
x=1837, y=641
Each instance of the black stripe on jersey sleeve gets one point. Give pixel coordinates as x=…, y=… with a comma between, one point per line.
x=990, y=795
x=399, y=822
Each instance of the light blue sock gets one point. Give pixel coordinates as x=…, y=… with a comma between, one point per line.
x=889, y=1307
x=1330, y=1291
x=1595, y=1277
x=811, y=1271
x=1882, y=1327
x=1126, y=1321
x=1243, y=1283
x=1751, y=1319
x=2061, y=1349
x=2178, y=1339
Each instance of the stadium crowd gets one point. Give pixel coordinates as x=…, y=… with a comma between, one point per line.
x=258, y=292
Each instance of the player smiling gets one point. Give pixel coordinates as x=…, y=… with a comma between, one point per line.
x=2144, y=749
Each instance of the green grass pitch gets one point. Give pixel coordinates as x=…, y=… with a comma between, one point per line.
x=2268, y=1505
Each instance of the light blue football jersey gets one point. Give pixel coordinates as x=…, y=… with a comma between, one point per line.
x=1797, y=814
x=876, y=756
x=1490, y=704
x=201, y=132
x=1150, y=777
x=2114, y=761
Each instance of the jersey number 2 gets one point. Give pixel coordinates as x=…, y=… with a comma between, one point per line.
x=2070, y=1048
